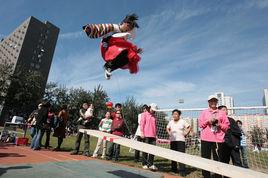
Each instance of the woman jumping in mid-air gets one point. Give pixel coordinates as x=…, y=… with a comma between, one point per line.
x=116, y=50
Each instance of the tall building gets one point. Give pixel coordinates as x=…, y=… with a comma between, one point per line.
x=265, y=100
x=225, y=100
x=220, y=96
x=32, y=46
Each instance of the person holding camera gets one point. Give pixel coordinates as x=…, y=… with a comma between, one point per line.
x=86, y=114
x=214, y=124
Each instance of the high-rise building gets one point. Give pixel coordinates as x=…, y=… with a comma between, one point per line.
x=225, y=100
x=32, y=46
x=265, y=100
x=220, y=96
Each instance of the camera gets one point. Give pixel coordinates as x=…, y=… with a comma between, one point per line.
x=215, y=122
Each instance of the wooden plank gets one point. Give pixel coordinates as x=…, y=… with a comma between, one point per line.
x=194, y=161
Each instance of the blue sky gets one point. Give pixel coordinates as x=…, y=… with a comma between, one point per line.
x=191, y=48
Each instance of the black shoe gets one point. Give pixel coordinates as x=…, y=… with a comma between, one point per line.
x=108, y=158
x=74, y=152
x=182, y=174
x=56, y=149
x=174, y=171
x=86, y=154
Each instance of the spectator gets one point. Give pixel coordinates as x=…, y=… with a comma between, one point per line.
x=59, y=131
x=117, y=107
x=104, y=126
x=41, y=118
x=149, y=134
x=47, y=127
x=32, y=121
x=117, y=129
x=231, y=141
x=177, y=129
x=138, y=132
x=213, y=123
x=83, y=123
x=243, y=145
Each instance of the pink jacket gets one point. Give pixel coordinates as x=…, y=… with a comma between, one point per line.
x=207, y=133
x=148, y=125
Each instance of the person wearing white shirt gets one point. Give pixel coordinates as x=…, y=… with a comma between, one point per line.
x=177, y=129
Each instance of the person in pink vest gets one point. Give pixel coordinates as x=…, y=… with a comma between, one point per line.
x=149, y=135
x=213, y=123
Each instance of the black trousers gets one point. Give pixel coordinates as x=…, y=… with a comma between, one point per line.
x=120, y=61
x=217, y=151
x=113, y=151
x=233, y=153
x=79, y=138
x=148, y=159
x=48, y=132
x=177, y=146
x=137, y=152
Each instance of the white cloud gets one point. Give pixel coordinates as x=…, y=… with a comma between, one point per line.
x=71, y=35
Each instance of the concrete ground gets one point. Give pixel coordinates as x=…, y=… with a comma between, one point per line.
x=22, y=162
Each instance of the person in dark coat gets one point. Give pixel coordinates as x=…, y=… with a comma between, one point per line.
x=59, y=131
x=41, y=119
x=231, y=141
x=83, y=123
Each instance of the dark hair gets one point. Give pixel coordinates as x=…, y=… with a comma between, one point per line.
x=238, y=121
x=176, y=110
x=118, y=105
x=145, y=106
x=131, y=19
x=222, y=106
x=64, y=106
x=46, y=104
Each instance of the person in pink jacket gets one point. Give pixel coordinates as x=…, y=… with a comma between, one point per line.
x=213, y=123
x=149, y=134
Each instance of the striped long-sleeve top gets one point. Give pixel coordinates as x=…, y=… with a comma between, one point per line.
x=99, y=30
x=105, y=125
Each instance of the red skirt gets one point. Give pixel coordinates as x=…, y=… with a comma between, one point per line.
x=115, y=47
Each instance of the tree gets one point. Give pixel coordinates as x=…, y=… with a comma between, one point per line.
x=131, y=111
x=6, y=70
x=50, y=92
x=256, y=136
x=99, y=98
x=24, y=92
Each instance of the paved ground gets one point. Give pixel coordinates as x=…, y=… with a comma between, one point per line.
x=22, y=162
